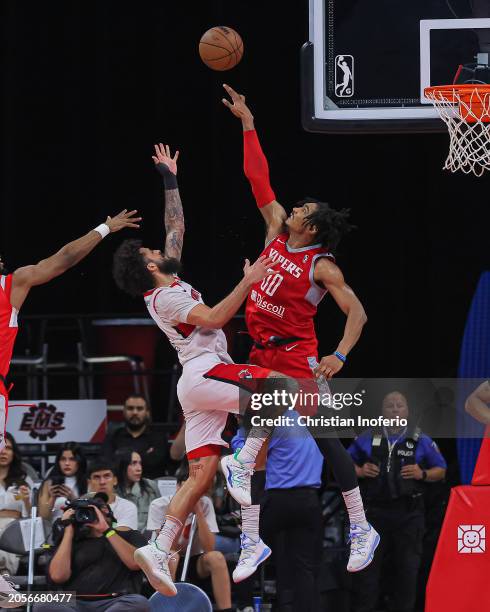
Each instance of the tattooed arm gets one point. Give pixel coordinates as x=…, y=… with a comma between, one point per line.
x=174, y=215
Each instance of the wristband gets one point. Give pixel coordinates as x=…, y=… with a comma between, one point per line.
x=342, y=358
x=169, y=178
x=108, y=533
x=103, y=229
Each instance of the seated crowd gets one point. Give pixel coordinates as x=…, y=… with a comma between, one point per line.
x=130, y=486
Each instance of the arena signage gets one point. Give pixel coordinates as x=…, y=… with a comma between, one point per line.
x=32, y=422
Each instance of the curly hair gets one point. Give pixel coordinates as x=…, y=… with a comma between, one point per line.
x=129, y=269
x=332, y=225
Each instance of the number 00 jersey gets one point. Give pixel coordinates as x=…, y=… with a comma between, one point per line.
x=285, y=303
x=169, y=307
x=8, y=325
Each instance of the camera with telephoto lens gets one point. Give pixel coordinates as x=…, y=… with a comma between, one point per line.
x=84, y=512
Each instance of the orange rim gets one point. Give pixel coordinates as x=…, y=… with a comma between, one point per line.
x=464, y=96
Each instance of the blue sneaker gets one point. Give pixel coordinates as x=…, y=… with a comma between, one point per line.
x=238, y=475
x=363, y=543
x=252, y=555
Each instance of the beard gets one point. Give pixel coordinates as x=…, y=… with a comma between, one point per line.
x=170, y=265
x=132, y=426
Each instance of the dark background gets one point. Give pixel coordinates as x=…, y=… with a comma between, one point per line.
x=89, y=87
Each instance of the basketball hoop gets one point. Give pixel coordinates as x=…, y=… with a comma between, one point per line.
x=465, y=109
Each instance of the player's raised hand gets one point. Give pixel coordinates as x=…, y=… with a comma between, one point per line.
x=122, y=220
x=237, y=105
x=263, y=267
x=164, y=156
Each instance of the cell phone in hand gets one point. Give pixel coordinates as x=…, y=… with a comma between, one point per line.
x=56, y=480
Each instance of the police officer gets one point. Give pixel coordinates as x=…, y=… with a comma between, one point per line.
x=393, y=464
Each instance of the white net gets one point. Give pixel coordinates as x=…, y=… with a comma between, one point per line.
x=466, y=112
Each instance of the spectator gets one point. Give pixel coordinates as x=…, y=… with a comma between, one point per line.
x=205, y=561
x=67, y=480
x=15, y=496
x=136, y=434
x=290, y=508
x=101, y=479
x=96, y=561
x=132, y=486
x=393, y=464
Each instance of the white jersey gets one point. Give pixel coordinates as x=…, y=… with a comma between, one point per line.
x=169, y=307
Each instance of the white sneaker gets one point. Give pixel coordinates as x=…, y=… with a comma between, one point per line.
x=363, y=543
x=7, y=588
x=154, y=562
x=252, y=555
x=238, y=475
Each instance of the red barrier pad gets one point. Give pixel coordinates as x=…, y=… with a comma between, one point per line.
x=481, y=475
x=458, y=580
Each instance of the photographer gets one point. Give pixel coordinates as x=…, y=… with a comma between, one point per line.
x=96, y=561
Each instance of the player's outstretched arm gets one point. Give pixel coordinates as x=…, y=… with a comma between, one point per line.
x=256, y=167
x=219, y=315
x=174, y=214
x=330, y=276
x=478, y=403
x=67, y=257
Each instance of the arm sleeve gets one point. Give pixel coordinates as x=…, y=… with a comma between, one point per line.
x=174, y=304
x=256, y=169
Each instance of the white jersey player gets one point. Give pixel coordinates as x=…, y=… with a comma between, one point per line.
x=209, y=386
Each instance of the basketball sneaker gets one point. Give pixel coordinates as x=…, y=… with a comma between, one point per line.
x=154, y=562
x=252, y=555
x=7, y=589
x=238, y=475
x=363, y=543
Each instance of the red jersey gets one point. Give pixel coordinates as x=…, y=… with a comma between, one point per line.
x=285, y=303
x=8, y=324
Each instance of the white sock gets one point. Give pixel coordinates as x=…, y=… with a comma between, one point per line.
x=250, y=521
x=355, y=507
x=255, y=439
x=170, y=528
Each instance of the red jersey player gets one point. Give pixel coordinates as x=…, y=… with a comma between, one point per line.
x=15, y=287
x=280, y=309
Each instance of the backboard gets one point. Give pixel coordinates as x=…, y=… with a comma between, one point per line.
x=368, y=61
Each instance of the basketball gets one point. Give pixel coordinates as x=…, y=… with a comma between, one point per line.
x=221, y=48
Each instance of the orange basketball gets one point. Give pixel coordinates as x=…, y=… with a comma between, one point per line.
x=221, y=48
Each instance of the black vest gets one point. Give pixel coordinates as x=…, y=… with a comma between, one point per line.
x=389, y=485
